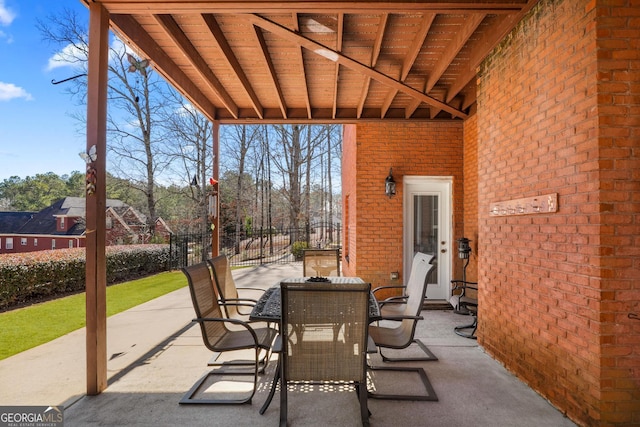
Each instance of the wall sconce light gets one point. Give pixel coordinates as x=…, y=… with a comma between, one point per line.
x=390, y=184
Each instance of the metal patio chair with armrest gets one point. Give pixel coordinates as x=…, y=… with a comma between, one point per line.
x=217, y=336
x=464, y=300
x=423, y=268
x=311, y=352
x=227, y=290
x=321, y=262
x=402, y=335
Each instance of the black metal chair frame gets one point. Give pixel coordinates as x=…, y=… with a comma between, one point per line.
x=209, y=313
x=465, y=305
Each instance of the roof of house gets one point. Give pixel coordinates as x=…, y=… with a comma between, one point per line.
x=11, y=221
x=45, y=221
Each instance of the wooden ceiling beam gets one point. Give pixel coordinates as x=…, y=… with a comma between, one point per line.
x=146, y=7
x=266, y=57
x=336, y=78
x=296, y=28
x=171, y=27
x=375, y=54
x=416, y=44
x=332, y=55
x=232, y=61
x=453, y=48
x=130, y=30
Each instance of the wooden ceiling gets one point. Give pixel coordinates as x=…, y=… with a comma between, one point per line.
x=244, y=61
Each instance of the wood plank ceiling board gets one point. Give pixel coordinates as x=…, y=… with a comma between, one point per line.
x=318, y=61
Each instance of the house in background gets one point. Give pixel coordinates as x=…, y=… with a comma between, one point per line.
x=62, y=225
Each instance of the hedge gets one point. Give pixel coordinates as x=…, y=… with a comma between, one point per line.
x=35, y=275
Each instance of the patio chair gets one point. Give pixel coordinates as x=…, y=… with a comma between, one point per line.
x=403, y=335
x=464, y=300
x=423, y=268
x=227, y=290
x=218, y=337
x=321, y=262
x=311, y=353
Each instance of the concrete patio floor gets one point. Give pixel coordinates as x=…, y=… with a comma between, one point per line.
x=156, y=354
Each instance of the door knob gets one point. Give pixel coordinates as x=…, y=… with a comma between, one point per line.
x=443, y=250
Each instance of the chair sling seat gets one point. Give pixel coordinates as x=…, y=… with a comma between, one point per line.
x=241, y=340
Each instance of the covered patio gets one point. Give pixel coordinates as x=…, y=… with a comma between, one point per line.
x=155, y=354
x=510, y=101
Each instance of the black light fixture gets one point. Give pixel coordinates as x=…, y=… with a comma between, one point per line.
x=463, y=248
x=464, y=252
x=390, y=184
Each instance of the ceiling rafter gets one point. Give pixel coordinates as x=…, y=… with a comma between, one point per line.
x=453, y=48
x=409, y=59
x=300, y=58
x=416, y=44
x=129, y=29
x=266, y=57
x=414, y=104
x=336, y=79
x=171, y=27
x=332, y=55
x=375, y=54
x=232, y=61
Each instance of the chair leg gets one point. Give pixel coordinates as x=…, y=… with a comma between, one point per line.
x=189, y=398
x=430, y=356
x=459, y=330
x=430, y=396
x=361, y=389
x=272, y=391
x=283, y=400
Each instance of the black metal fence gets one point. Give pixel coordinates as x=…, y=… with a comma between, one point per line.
x=255, y=247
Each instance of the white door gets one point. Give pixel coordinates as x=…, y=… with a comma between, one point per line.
x=427, y=228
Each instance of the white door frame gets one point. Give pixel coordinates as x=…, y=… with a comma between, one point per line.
x=430, y=185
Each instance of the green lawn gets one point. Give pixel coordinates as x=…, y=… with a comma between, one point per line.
x=29, y=327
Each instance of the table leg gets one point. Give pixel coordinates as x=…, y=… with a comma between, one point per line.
x=272, y=392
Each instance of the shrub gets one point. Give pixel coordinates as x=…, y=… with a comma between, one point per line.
x=297, y=249
x=33, y=275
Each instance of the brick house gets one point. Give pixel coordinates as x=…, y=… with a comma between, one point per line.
x=558, y=111
x=62, y=225
x=470, y=129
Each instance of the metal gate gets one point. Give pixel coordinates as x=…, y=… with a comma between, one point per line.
x=256, y=247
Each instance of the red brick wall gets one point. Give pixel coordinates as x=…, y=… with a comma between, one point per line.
x=618, y=53
x=374, y=226
x=556, y=289
x=471, y=193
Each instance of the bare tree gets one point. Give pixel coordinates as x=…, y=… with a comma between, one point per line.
x=237, y=141
x=191, y=134
x=135, y=98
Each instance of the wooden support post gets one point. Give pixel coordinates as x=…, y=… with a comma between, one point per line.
x=96, y=273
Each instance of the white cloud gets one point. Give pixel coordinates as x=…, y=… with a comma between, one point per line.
x=6, y=15
x=9, y=91
x=69, y=56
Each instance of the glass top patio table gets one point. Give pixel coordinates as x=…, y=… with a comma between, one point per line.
x=268, y=308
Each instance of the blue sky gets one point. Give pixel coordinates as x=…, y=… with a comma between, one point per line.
x=37, y=134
